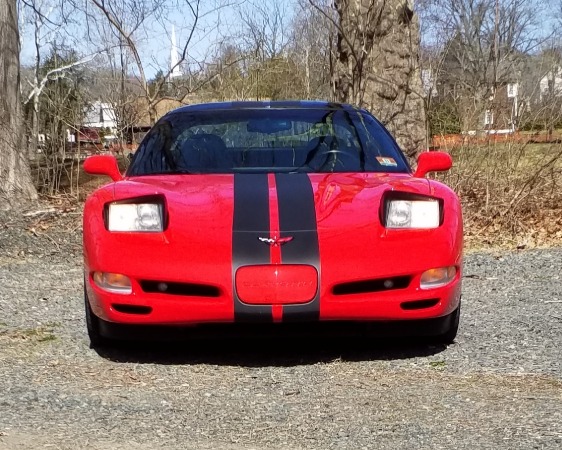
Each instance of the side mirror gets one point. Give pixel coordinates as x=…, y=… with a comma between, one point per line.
x=103, y=165
x=433, y=162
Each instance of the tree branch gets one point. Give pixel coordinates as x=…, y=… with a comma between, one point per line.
x=48, y=76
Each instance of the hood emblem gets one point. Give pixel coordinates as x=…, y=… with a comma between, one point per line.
x=276, y=241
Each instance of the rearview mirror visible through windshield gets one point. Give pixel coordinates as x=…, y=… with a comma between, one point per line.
x=268, y=126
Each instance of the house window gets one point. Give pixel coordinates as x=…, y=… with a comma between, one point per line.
x=512, y=89
x=488, y=117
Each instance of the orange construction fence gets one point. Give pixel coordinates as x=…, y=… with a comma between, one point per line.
x=458, y=140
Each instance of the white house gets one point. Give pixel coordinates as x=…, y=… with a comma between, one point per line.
x=100, y=115
x=551, y=83
x=100, y=119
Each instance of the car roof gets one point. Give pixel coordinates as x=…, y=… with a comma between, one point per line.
x=278, y=104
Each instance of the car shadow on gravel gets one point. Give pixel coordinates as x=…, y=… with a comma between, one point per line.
x=273, y=349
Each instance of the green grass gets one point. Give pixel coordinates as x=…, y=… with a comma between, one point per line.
x=43, y=333
x=437, y=364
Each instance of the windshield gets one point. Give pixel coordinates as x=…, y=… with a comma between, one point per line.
x=267, y=140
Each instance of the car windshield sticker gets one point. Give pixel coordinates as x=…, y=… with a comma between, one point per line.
x=387, y=161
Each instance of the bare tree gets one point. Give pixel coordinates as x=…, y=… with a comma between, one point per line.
x=129, y=19
x=313, y=45
x=15, y=178
x=377, y=65
x=263, y=41
x=46, y=19
x=61, y=111
x=259, y=60
x=484, y=45
x=114, y=83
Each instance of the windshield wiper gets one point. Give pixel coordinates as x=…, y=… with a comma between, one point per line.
x=181, y=172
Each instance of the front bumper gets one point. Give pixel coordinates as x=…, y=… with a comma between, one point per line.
x=156, y=308
x=297, y=330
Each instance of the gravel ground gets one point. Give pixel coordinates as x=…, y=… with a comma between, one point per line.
x=498, y=386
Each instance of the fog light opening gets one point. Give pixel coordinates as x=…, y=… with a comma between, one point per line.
x=389, y=284
x=437, y=277
x=113, y=282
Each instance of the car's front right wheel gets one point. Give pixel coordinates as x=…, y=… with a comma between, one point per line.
x=93, y=324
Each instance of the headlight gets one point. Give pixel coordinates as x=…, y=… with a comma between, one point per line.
x=412, y=214
x=135, y=217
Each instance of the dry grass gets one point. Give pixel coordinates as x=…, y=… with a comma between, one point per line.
x=511, y=193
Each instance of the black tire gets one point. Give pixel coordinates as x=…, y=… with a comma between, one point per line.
x=449, y=336
x=93, y=325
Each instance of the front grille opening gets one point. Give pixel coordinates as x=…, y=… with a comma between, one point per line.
x=131, y=309
x=419, y=304
x=185, y=289
x=367, y=286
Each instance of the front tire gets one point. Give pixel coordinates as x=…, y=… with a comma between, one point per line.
x=93, y=324
x=448, y=337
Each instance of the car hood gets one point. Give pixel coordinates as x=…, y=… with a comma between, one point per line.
x=336, y=197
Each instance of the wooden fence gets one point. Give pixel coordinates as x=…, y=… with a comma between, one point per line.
x=449, y=141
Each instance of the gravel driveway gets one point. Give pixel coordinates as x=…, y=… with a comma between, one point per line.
x=499, y=386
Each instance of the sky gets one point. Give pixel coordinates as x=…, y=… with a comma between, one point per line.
x=219, y=22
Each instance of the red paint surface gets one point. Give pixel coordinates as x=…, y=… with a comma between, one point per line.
x=355, y=246
x=274, y=232
x=103, y=165
x=277, y=313
x=433, y=162
x=279, y=284
x=196, y=247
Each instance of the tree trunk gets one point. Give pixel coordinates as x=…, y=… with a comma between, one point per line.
x=15, y=179
x=152, y=113
x=377, y=66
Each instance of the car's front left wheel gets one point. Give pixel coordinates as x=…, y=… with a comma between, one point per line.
x=448, y=337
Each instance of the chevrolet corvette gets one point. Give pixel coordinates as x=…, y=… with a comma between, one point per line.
x=271, y=213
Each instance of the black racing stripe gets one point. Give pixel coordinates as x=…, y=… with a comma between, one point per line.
x=297, y=218
x=251, y=220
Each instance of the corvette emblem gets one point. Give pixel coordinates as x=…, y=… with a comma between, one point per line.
x=276, y=241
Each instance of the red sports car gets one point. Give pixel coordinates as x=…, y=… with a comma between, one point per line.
x=271, y=213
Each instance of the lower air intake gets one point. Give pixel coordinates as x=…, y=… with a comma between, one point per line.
x=131, y=309
x=368, y=286
x=419, y=304
x=185, y=289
